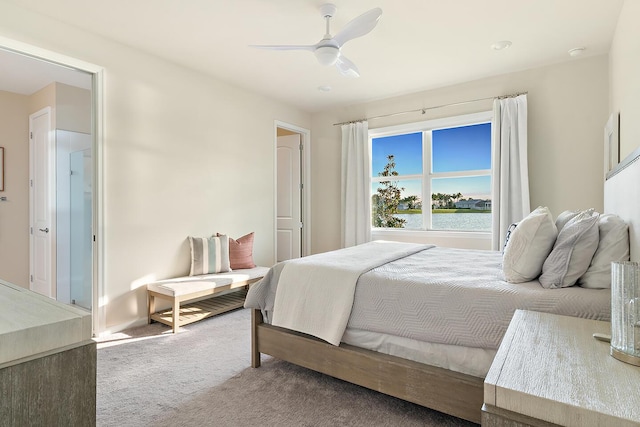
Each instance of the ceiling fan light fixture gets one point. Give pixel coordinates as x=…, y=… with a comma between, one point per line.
x=327, y=55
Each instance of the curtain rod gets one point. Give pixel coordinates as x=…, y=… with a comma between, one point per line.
x=423, y=110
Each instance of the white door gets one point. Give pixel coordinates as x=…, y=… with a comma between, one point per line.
x=42, y=205
x=289, y=210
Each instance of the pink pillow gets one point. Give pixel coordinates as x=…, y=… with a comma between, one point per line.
x=241, y=252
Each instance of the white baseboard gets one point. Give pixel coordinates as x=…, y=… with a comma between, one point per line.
x=123, y=326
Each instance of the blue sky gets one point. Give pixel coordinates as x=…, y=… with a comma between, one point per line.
x=407, y=150
x=453, y=149
x=462, y=149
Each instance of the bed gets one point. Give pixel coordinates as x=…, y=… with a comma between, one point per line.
x=432, y=348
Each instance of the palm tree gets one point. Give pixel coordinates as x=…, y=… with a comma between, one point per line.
x=457, y=197
x=437, y=197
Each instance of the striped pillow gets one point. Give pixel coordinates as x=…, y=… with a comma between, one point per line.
x=209, y=255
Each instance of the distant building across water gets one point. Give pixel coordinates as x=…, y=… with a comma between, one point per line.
x=475, y=204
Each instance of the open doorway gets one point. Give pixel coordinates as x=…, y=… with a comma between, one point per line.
x=292, y=229
x=52, y=180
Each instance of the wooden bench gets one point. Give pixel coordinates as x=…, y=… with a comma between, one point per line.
x=200, y=291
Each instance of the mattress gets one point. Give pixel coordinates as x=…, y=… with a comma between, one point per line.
x=453, y=302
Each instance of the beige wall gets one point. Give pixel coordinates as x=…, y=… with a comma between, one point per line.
x=14, y=213
x=73, y=108
x=625, y=76
x=568, y=107
x=70, y=106
x=179, y=160
x=284, y=132
x=45, y=97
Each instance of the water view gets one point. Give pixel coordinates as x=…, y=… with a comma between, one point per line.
x=452, y=179
x=450, y=221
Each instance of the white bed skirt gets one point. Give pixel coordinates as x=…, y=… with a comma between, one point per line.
x=466, y=360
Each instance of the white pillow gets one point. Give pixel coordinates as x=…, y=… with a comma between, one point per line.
x=613, y=246
x=572, y=252
x=528, y=246
x=566, y=216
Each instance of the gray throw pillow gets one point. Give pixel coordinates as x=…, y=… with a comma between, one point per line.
x=572, y=252
x=567, y=216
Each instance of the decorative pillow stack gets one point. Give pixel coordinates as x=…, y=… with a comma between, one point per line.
x=220, y=254
x=528, y=246
x=209, y=255
x=577, y=248
x=572, y=252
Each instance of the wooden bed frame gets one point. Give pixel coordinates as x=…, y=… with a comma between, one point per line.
x=436, y=388
x=446, y=391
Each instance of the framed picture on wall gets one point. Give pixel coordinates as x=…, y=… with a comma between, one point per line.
x=611, y=143
x=1, y=168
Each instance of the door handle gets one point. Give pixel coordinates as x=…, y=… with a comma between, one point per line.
x=44, y=230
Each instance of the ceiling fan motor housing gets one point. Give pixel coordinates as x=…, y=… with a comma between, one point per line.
x=328, y=10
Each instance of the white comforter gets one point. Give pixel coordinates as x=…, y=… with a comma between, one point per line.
x=459, y=297
x=446, y=296
x=315, y=293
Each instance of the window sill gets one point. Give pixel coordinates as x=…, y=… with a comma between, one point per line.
x=433, y=233
x=452, y=239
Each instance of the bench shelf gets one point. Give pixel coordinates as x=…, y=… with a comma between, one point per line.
x=192, y=312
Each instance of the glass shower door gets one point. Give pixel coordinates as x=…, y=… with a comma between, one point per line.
x=80, y=228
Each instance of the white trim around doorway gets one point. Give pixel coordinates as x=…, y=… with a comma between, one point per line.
x=99, y=294
x=305, y=137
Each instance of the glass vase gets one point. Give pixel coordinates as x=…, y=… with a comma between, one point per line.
x=625, y=312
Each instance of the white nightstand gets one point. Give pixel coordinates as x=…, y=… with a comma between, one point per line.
x=549, y=370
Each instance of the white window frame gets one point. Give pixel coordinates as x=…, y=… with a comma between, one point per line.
x=426, y=127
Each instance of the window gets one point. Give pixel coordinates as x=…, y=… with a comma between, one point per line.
x=433, y=175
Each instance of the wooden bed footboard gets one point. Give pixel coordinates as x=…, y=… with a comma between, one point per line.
x=446, y=391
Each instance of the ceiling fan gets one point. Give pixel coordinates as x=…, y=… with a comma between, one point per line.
x=327, y=50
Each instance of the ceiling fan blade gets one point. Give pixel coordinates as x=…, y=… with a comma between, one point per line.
x=346, y=67
x=359, y=26
x=284, y=47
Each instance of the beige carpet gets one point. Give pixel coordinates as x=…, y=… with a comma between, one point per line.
x=200, y=377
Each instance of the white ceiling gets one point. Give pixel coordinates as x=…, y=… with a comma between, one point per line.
x=26, y=75
x=417, y=44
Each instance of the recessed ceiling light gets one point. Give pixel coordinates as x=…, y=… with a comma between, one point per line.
x=576, y=51
x=503, y=44
x=324, y=88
